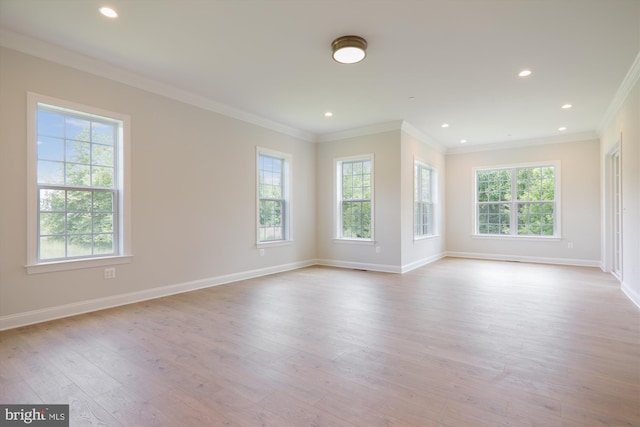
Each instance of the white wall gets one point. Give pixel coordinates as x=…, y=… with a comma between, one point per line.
x=193, y=195
x=420, y=252
x=624, y=128
x=385, y=147
x=580, y=204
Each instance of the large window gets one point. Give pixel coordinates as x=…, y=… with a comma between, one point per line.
x=517, y=201
x=273, y=196
x=424, y=198
x=355, y=198
x=76, y=182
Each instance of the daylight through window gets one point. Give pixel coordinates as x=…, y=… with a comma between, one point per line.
x=518, y=201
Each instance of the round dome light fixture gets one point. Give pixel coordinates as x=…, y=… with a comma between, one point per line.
x=349, y=49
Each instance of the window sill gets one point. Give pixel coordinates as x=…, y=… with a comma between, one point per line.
x=422, y=238
x=355, y=241
x=510, y=237
x=274, y=243
x=77, y=264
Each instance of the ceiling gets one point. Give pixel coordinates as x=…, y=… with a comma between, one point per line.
x=429, y=62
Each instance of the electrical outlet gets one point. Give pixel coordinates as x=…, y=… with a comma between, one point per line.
x=110, y=273
x=378, y=249
x=570, y=245
x=261, y=252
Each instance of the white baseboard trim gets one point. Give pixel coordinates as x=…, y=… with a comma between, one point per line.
x=383, y=268
x=522, y=258
x=37, y=316
x=420, y=263
x=633, y=295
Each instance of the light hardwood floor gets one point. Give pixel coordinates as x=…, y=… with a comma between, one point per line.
x=455, y=343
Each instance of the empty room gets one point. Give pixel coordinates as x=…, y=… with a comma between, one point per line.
x=320, y=213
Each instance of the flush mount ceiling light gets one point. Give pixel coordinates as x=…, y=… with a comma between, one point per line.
x=349, y=49
x=524, y=73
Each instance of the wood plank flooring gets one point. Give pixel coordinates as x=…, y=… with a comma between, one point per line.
x=455, y=343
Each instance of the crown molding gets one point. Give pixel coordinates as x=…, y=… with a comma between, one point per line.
x=361, y=131
x=623, y=91
x=66, y=57
x=409, y=129
x=556, y=139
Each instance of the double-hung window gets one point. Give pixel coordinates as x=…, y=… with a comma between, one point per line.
x=424, y=196
x=518, y=201
x=274, y=206
x=76, y=181
x=354, y=178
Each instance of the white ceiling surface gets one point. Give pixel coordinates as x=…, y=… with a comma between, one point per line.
x=459, y=59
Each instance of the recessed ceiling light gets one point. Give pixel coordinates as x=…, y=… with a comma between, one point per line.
x=108, y=12
x=445, y=125
x=524, y=73
x=562, y=128
x=463, y=141
x=328, y=114
x=566, y=106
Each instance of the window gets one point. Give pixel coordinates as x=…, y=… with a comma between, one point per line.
x=517, y=201
x=355, y=198
x=424, y=196
x=76, y=183
x=274, y=210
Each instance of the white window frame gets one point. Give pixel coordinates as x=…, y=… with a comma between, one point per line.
x=122, y=223
x=287, y=167
x=338, y=162
x=557, y=233
x=433, y=193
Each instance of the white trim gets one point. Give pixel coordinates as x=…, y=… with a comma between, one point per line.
x=625, y=88
x=78, y=264
x=409, y=129
x=514, y=144
x=73, y=309
x=383, y=268
x=633, y=295
x=60, y=55
x=524, y=258
x=361, y=131
x=352, y=241
x=123, y=182
x=421, y=263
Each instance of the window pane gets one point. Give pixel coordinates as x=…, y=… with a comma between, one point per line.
x=79, y=201
x=50, y=148
x=52, y=200
x=78, y=152
x=78, y=223
x=102, y=201
x=79, y=245
x=103, y=133
x=101, y=155
x=103, y=244
x=78, y=174
x=103, y=223
x=50, y=172
x=50, y=124
x=102, y=177
x=52, y=247
x=78, y=129
x=52, y=223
